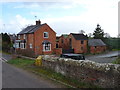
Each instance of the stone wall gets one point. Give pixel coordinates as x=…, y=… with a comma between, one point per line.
x=104, y=75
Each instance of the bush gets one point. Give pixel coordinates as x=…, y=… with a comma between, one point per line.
x=117, y=61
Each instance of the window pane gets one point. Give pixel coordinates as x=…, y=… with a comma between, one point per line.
x=46, y=47
x=45, y=34
x=82, y=42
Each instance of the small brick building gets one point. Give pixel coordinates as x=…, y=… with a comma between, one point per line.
x=63, y=41
x=39, y=38
x=73, y=43
x=96, y=46
x=78, y=42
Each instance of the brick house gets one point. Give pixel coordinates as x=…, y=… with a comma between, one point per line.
x=78, y=42
x=39, y=38
x=96, y=46
x=73, y=43
x=63, y=41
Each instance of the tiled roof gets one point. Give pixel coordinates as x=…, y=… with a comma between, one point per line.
x=65, y=35
x=30, y=29
x=96, y=42
x=79, y=36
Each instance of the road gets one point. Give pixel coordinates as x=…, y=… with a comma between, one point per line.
x=13, y=77
x=104, y=58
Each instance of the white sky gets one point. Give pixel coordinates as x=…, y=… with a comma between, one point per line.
x=89, y=14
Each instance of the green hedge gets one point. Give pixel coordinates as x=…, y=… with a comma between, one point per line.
x=112, y=43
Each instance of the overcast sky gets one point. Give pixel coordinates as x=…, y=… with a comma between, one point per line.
x=63, y=17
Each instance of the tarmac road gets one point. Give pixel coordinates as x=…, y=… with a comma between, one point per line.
x=13, y=77
x=105, y=57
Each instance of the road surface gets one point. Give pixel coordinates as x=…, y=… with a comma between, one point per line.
x=13, y=77
x=108, y=57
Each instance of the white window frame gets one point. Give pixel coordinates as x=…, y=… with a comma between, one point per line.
x=24, y=36
x=44, y=47
x=18, y=36
x=22, y=46
x=47, y=34
x=17, y=45
x=30, y=45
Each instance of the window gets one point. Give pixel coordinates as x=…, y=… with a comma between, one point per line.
x=16, y=45
x=57, y=45
x=45, y=34
x=30, y=45
x=62, y=41
x=70, y=42
x=82, y=42
x=81, y=48
x=22, y=45
x=46, y=47
x=18, y=36
x=24, y=36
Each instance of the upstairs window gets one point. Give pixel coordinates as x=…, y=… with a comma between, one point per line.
x=62, y=41
x=82, y=42
x=24, y=36
x=46, y=35
x=18, y=36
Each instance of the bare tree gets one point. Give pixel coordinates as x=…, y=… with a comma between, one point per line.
x=90, y=35
x=81, y=31
x=106, y=35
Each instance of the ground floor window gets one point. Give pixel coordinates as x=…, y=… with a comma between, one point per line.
x=81, y=48
x=30, y=45
x=57, y=45
x=46, y=47
x=17, y=45
x=22, y=45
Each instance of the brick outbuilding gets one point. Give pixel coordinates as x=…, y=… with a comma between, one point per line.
x=96, y=46
x=39, y=38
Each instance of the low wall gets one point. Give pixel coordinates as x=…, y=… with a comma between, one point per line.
x=104, y=75
x=58, y=51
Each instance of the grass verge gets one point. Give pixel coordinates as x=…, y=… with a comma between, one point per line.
x=28, y=64
x=117, y=61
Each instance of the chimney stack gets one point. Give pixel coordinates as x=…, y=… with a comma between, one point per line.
x=38, y=22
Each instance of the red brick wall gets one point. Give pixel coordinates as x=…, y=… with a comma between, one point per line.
x=30, y=40
x=39, y=39
x=98, y=49
x=76, y=45
x=58, y=51
x=63, y=45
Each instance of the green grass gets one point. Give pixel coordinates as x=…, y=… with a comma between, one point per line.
x=20, y=62
x=29, y=65
x=115, y=49
x=117, y=61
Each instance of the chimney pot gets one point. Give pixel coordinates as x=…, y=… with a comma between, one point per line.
x=38, y=22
